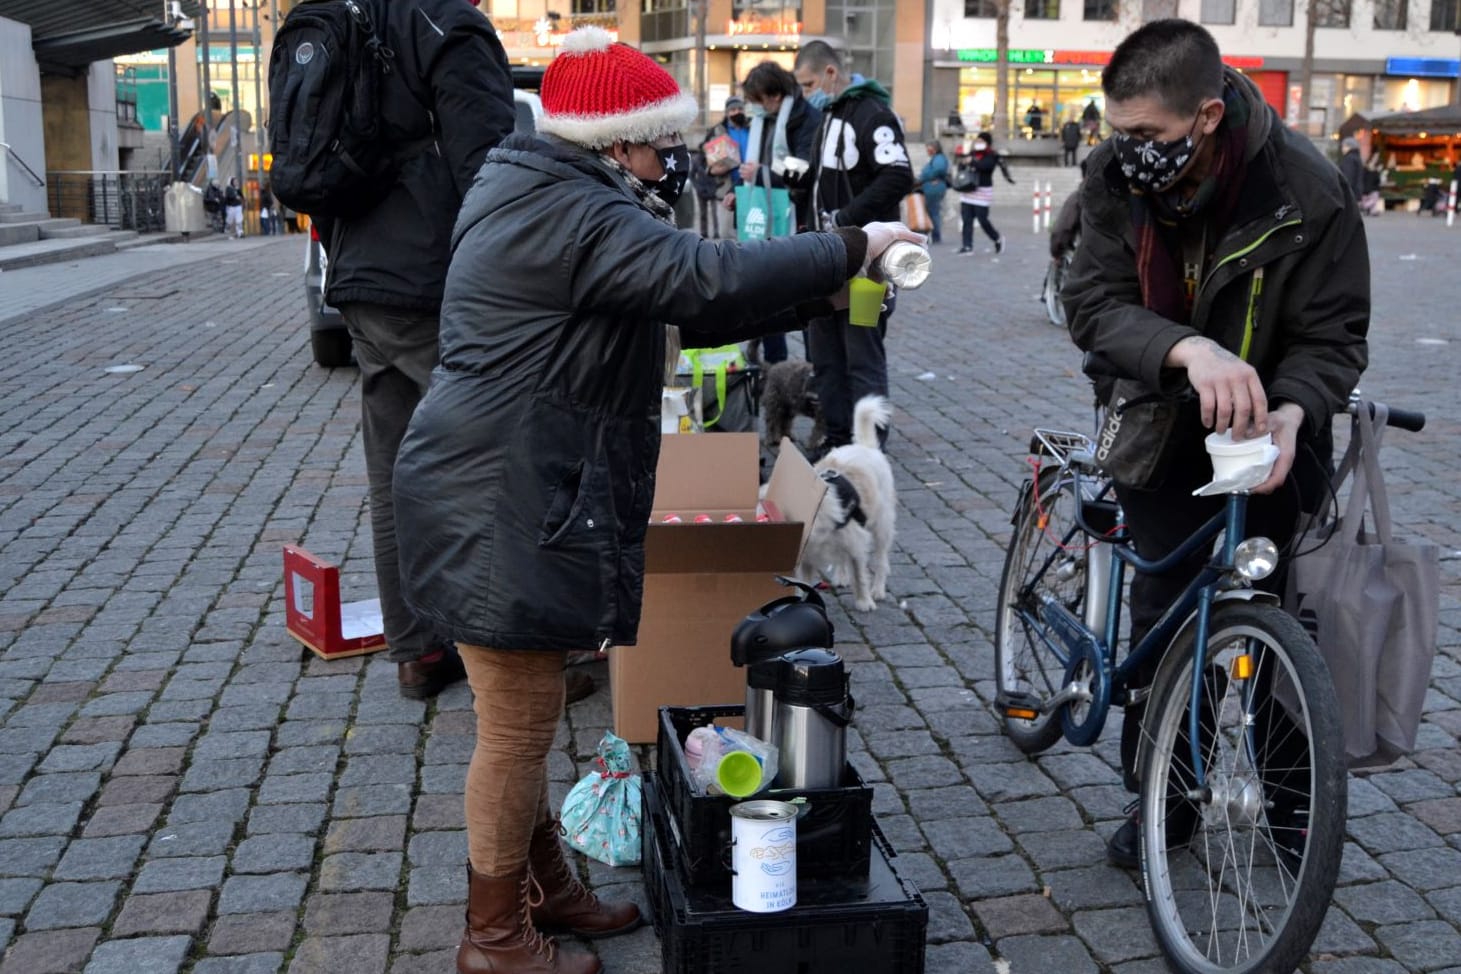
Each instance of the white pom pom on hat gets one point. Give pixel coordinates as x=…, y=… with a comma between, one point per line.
x=597, y=92
x=585, y=40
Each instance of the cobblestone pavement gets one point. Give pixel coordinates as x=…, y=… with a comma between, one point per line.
x=183, y=789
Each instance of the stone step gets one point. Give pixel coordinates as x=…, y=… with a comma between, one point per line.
x=18, y=233
x=66, y=229
x=53, y=251
x=10, y=208
x=18, y=215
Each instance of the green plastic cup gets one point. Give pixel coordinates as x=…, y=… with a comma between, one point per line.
x=738, y=774
x=865, y=301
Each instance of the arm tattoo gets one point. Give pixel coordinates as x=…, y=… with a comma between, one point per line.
x=1218, y=350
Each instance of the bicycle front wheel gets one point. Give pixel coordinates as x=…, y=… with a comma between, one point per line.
x=1047, y=555
x=1239, y=872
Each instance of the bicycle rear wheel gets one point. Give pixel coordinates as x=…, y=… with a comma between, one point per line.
x=1239, y=874
x=1054, y=281
x=1047, y=554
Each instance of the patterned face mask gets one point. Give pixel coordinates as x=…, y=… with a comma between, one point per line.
x=1154, y=165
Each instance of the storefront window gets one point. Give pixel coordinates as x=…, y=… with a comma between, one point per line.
x=665, y=20
x=1042, y=9
x=1443, y=15
x=1061, y=94
x=1276, y=13
x=1100, y=9
x=984, y=9
x=593, y=6
x=1390, y=14
x=1218, y=11
x=1333, y=13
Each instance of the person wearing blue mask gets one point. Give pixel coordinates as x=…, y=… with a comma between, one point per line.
x=860, y=173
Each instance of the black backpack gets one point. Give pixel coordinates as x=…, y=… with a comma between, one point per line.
x=325, y=76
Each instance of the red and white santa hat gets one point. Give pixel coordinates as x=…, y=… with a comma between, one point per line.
x=597, y=92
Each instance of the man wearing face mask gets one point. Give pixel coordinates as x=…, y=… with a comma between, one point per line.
x=860, y=172
x=526, y=478
x=1221, y=252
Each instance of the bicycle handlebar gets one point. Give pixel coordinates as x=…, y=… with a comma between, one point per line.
x=1096, y=365
x=1405, y=419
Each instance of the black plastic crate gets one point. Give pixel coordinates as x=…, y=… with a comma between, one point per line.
x=838, y=925
x=833, y=838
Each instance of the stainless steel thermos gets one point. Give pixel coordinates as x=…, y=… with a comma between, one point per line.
x=811, y=711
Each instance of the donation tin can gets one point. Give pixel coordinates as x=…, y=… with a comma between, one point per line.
x=763, y=856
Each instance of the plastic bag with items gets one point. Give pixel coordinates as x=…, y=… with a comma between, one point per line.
x=601, y=812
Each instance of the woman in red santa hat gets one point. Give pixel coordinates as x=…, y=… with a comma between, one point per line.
x=524, y=485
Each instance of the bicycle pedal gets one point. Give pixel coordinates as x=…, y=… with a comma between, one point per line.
x=1017, y=705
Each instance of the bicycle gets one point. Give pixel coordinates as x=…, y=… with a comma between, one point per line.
x=1243, y=780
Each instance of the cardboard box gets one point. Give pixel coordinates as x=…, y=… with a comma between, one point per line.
x=314, y=615
x=702, y=579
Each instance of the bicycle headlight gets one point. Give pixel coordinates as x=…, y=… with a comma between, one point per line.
x=1255, y=558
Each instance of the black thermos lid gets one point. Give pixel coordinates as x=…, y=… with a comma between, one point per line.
x=809, y=677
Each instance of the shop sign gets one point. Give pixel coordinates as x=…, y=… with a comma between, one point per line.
x=751, y=23
x=988, y=55
x=1423, y=67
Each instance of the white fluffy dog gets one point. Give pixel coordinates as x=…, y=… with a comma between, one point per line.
x=852, y=532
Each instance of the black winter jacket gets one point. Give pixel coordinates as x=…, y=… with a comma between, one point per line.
x=451, y=79
x=524, y=485
x=1287, y=286
x=861, y=171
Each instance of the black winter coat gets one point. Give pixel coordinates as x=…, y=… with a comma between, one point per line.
x=1287, y=286
x=524, y=485
x=452, y=79
x=861, y=171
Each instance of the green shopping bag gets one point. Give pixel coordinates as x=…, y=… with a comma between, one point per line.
x=762, y=212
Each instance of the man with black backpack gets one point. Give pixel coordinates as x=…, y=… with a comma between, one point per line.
x=378, y=142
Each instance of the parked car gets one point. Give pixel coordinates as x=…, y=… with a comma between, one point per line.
x=328, y=338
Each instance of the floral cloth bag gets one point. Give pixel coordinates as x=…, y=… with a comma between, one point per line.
x=601, y=812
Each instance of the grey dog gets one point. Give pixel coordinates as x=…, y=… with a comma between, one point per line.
x=787, y=394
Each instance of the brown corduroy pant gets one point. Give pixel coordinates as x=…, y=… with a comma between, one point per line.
x=518, y=697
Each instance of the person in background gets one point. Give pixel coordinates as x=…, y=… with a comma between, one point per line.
x=860, y=174
x=974, y=203
x=233, y=204
x=1035, y=118
x=782, y=125
x=1091, y=122
x=1370, y=202
x=527, y=475
x=1352, y=166
x=268, y=222
x=1070, y=140
x=736, y=125
x=933, y=181
x=388, y=268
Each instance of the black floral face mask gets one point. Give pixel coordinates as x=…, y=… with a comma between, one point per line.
x=1154, y=165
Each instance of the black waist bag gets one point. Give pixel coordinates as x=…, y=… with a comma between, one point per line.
x=1132, y=445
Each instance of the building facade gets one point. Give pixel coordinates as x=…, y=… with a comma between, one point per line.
x=881, y=39
x=1370, y=56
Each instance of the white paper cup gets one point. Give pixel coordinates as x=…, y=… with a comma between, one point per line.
x=1231, y=457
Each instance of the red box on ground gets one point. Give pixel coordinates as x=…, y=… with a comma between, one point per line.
x=314, y=615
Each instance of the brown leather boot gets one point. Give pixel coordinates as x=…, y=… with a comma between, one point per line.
x=567, y=904
x=500, y=937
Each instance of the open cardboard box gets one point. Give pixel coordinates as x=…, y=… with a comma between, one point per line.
x=700, y=580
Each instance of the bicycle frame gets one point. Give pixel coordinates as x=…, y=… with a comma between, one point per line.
x=1080, y=639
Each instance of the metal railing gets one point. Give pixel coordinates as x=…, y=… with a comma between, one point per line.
x=127, y=200
x=21, y=163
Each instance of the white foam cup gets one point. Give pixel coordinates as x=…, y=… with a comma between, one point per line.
x=1231, y=457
